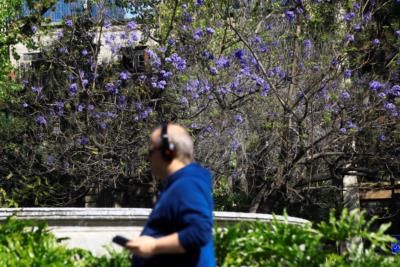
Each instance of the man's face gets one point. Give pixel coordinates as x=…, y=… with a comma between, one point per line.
x=158, y=164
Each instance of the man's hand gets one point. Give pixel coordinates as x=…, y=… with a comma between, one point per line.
x=143, y=246
x=147, y=246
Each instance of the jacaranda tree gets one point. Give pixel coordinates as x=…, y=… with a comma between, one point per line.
x=282, y=97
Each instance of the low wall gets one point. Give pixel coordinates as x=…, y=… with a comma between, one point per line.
x=93, y=228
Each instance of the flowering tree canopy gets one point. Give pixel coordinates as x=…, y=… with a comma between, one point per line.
x=282, y=97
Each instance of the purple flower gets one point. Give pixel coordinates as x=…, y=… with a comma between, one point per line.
x=184, y=6
x=397, y=33
x=132, y=25
x=34, y=29
x=84, y=52
x=382, y=138
x=376, y=42
x=210, y=30
x=83, y=140
x=50, y=160
x=213, y=70
x=178, y=62
x=382, y=95
x=345, y=95
x=223, y=62
x=235, y=144
x=207, y=54
x=357, y=27
x=290, y=16
x=90, y=107
x=347, y=73
x=299, y=10
x=367, y=16
x=37, y=90
x=41, y=120
x=265, y=90
x=25, y=105
x=263, y=48
x=239, y=53
x=184, y=101
x=155, y=60
x=389, y=106
x=81, y=74
x=349, y=16
x=69, y=23
x=85, y=82
x=238, y=118
x=134, y=37
x=160, y=84
x=395, y=90
x=60, y=34
x=73, y=89
x=356, y=6
x=198, y=33
x=342, y=130
x=63, y=50
x=166, y=74
x=351, y=125
x=124, y=75
x=259, y=81
x=103, y=125
x=187, y=18
x=80, y=107
x=111, y=88
x=123, y=36
x=307, y=43
x=199, y=2
x=350, y=38
x=375, y=85
x=121, y=102
x=171, y=41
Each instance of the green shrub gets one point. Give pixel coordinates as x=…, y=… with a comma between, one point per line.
x=338, y=242
x=29, y=243
x=346, y=241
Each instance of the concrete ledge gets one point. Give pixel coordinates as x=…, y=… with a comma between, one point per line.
x=112, y=215
x=93, y=228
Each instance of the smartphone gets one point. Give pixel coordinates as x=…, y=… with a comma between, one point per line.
x=120, y=240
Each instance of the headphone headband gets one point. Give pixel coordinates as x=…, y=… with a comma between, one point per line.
x=167, y=149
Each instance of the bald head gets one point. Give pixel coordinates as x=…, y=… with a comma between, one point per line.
x=180, y=138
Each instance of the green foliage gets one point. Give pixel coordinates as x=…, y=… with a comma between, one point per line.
x=28, y=243
x=114, y=259
x=226, y=199
x=284, y=244
x=25, y=243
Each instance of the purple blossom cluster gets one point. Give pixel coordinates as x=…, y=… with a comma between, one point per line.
x=349, y=16
x=222, y=62
x=178, y=62
x=160, y=84
x=290, y=16
x=111, y=88
x=155, y=61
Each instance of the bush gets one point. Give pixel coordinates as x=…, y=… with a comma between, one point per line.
x=346, y=241
x=29, y=243
x=339, y=242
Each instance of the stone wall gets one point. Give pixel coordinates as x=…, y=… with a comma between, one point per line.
x=93, y=228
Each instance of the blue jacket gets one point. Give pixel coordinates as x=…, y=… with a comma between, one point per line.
x=185, y=206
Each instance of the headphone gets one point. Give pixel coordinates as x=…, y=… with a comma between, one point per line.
x=167, y=149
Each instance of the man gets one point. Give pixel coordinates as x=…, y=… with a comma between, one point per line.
x=179, y=229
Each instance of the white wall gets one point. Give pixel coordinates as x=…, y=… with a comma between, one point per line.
x=93, y=228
